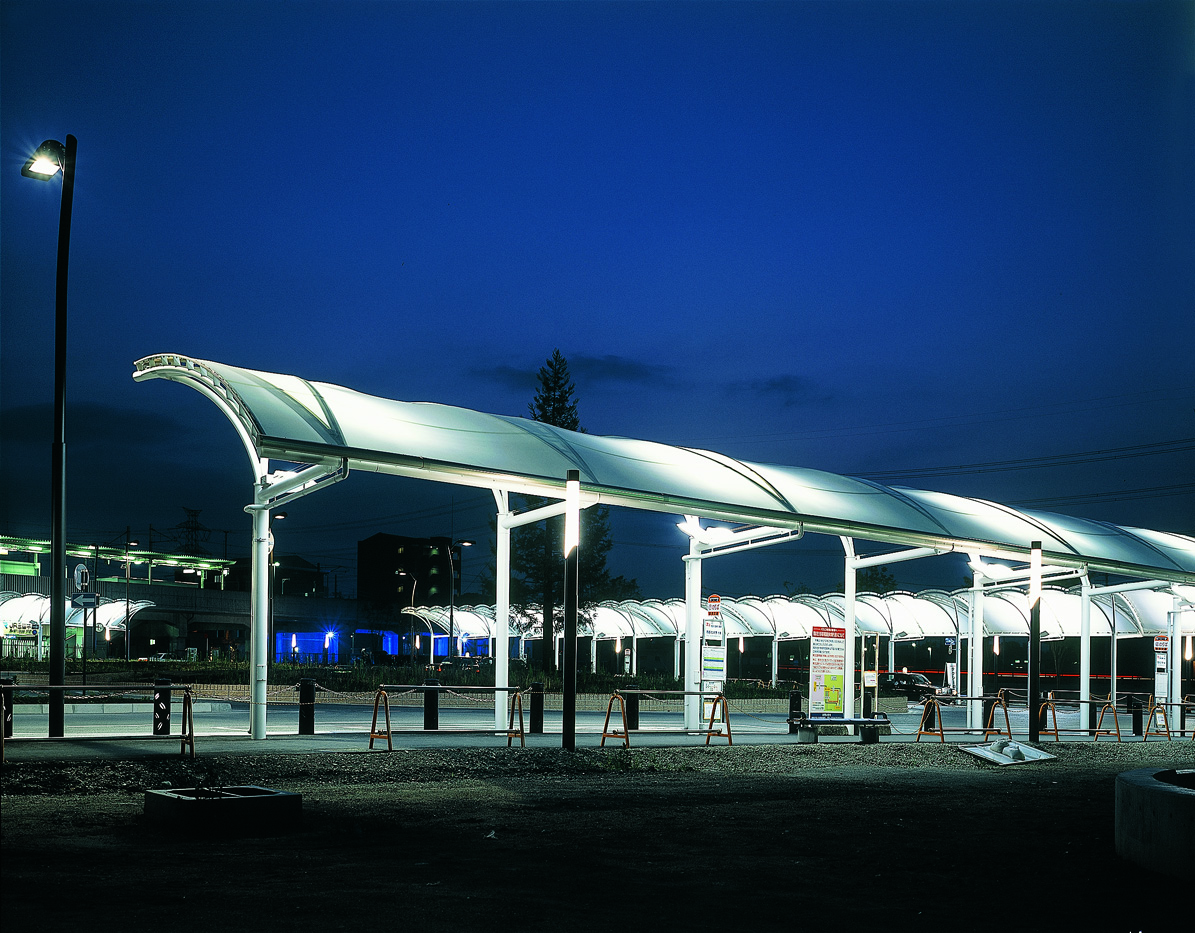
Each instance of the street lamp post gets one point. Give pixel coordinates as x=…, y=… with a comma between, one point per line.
x=128, y=631
x=50, y=158
x=452, y=595
x=411, y=608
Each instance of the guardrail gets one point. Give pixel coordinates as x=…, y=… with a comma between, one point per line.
x=160, y=696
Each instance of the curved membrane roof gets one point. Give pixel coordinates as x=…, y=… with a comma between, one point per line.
x=904, y=616
x=287, y=418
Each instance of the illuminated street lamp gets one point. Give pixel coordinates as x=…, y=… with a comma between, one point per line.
x=128, y=629
x=50, y=158
x=410, y=610
x=452, y=595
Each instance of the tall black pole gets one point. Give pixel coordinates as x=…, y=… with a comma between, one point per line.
x=572, y=582
x=1035, y=643
x=58, y=454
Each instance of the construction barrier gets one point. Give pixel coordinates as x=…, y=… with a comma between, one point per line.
x=931, y=718
x=620, y=697
x=1048, y=711
x=431, y=718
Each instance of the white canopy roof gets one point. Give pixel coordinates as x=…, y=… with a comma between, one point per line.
x=287, y=418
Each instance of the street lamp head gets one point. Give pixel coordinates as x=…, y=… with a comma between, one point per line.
x=465, y=542
x=278, y=516
x=46, y=162
x=134, y=544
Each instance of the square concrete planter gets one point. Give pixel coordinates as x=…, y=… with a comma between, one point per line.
x=220, y=810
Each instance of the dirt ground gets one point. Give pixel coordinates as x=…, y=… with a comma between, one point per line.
x=816, y=839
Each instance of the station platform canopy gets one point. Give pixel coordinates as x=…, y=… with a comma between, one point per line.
x=285, y=417
x=901, y=616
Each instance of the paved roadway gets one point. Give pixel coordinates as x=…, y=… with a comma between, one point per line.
x=223, y=727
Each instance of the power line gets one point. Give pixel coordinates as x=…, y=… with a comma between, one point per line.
x=1145, y=492
x=1033, y=463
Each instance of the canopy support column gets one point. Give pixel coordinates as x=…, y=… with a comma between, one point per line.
x=975, y=664
x=1085, y=710
x=694, y=631
x=848, y=622
x=500, y=646
x=259, y=628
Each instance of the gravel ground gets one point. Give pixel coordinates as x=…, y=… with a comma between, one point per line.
x=894, y=835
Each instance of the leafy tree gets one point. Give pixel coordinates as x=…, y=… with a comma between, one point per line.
x=537, y=551
x=875, y=580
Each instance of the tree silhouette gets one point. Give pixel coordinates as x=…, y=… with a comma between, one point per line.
x=537, y=550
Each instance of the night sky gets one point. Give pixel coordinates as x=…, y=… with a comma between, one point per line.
x=870, y=238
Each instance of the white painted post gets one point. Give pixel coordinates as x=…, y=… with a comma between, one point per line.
x=975, y=667
x=501, y=642
x=848, y=681
x=1084, y=652
x=775, y=656
x=259, y=627
x=694, y=631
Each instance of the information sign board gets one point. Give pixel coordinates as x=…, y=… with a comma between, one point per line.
x=713, y=664
x=827, y=671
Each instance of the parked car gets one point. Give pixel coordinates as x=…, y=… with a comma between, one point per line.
x=915, y=687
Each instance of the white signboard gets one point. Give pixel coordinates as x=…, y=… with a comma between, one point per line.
x=869, y=678
x=713, y=618
x=827, y=671
x=713, y=664
x=1161, y=643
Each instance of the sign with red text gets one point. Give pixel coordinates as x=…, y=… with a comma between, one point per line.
x=827, y=671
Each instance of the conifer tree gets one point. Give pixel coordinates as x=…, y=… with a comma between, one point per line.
x=537, y=558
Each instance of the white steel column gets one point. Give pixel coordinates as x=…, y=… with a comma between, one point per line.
x=848, y=595
x=1084, y=651
x=775, y=655
x=1174, y=653
x=259, y=623
x=975, y=665
x=501, y=643
x=694, y=632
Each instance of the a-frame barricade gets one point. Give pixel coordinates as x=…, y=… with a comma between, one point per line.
x=380, y=698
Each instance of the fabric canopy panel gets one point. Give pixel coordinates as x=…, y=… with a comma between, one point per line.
x=287, y=418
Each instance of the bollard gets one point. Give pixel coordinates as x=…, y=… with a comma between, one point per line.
x=306, y=706
x=537, y=709
x=989, y=704
x=161, y=707
x=1091, y=718
x=794, y=710
x=868, y=708
x=632, y=701
x=431, y=705
x=6, y=690
x=1138, y=717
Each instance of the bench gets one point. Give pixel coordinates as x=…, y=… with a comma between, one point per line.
x=869, y=729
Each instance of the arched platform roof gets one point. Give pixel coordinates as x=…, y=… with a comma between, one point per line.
x=903, y=616
x=285, y=417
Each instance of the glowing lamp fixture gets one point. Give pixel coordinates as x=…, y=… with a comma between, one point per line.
x=1035, y=573
x=46, y=162
x=572, y=514
x=742, y=644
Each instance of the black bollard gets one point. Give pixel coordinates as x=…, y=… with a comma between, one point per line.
x=6, y=690
x=989, y=704
x=794, y=710
x=161, y=707
x=868, y=708
x=632, y=701
x=431, y=705
x=306, y=706
x=1138, y=716
x=537, y=709
x=1091, y=717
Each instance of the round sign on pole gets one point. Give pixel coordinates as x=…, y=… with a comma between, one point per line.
x=82, y=577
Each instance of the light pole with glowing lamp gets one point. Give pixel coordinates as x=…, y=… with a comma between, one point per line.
x=128, y=630
x=411, y=609
x=50, y=158
x=452, y=595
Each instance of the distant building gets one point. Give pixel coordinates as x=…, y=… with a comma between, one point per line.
x=429, y=565
x=292, y=576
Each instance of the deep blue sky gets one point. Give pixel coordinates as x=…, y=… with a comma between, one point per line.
x=861, y=237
